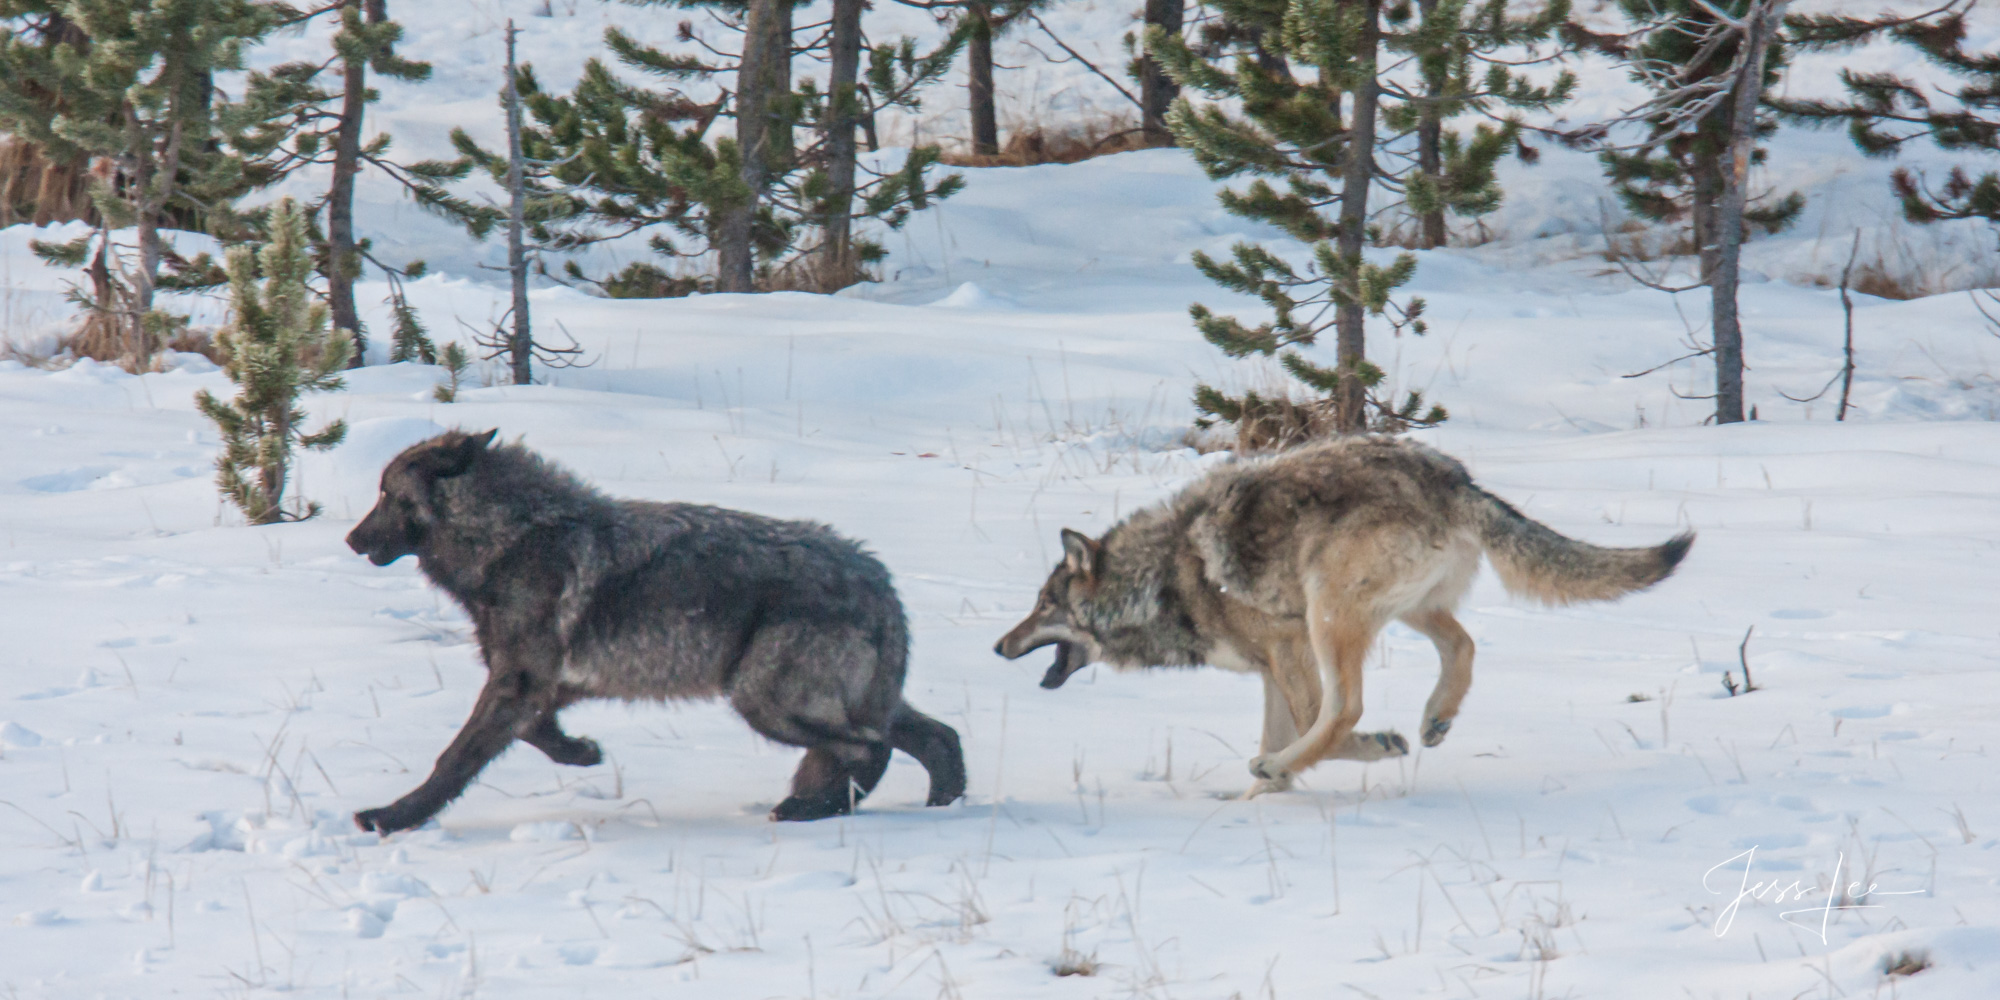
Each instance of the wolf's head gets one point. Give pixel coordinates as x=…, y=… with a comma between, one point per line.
x=408, y=505
x=1058, y=617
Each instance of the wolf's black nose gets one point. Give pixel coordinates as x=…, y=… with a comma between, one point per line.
x=996, y=648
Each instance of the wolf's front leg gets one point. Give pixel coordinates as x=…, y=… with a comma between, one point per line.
x=1340, y=641
x=547, y=736
x=504, y=710
x=1280, y=726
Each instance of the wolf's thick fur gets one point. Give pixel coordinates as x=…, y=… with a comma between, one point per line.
x=1289, y=567
x=574, y=595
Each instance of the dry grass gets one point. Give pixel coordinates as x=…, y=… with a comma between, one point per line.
x=100, y=337
x=812, y=271
x=1905, y=963
x=33, y=190
x=1877, y=281
x=193, y=340
x=1280, y=420
x=1070, y=143
x=1633, y=241
x=1404, y=232
x=1074, y=963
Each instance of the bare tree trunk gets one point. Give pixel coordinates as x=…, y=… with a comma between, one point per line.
x=979, y=81
x=1847, y=348
x=1706, y=202
x=521, y=344
x=154, y=182
x=271, y=476
x=343, y=264
x=1357, y=173
x=1430, y=162
x=101, y=289
x=1762, y=20
x=1157, y=90
x=1430, y=142
x=843, y=114
x=779, y=149
x=766, y=45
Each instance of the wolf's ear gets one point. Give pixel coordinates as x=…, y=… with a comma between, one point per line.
x=1080, y=552
x=456, y=457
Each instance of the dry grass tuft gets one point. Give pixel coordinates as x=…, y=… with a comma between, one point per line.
x=1875, y=278
x=36, y=191
x=193, y=340
x=1070, y=143
x=814, y=271
x=1074, y=963
x=1905, y=963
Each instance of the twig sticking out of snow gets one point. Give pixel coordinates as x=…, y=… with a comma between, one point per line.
x=1743, y=658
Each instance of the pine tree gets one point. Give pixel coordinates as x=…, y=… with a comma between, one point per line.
x=1329, y=137
x=1157, y=89
x=130, y=82
x=614, y=158
x=455, y=361
x=291, y=119
x=1707, y=76
x=977, y=24
x=1886, y=111
x=41, y=181
x=1677, y=171
x=278, y=345
x=1466, y=56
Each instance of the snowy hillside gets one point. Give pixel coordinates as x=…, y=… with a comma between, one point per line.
x=191, y=709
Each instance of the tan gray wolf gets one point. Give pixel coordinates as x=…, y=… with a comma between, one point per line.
x=574, y=595
x=1289, y=566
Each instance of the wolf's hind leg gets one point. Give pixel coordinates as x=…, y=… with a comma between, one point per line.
x=547, y=736
x=1454, y=648
x=935, y=746
x=832, y=779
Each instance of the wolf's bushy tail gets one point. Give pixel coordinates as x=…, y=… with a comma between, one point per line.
x=1535, y=561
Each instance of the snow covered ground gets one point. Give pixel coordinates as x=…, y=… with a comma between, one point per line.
x=192, y=708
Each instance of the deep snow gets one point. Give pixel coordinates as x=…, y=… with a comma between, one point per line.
x=191, y=708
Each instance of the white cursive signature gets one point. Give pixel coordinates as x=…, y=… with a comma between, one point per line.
x=1798, y=892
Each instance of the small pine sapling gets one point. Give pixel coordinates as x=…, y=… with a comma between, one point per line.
x=278, y=345
x=1307, y=106
x=409, y=340
x=455, y=362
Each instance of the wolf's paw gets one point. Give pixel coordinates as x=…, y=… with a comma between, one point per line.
x=799, y=809
x=1434, y=730
x=389, y=819
x=1265, y=786
x=1392, y=743
x=577, y=751
x=1266, y=766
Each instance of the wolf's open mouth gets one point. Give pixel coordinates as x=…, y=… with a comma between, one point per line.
x=1067, y=663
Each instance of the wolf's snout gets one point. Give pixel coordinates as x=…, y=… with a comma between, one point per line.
x=1015, y=644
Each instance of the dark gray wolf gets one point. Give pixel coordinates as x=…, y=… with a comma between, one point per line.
x=574, y=595
x=1289, y=566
